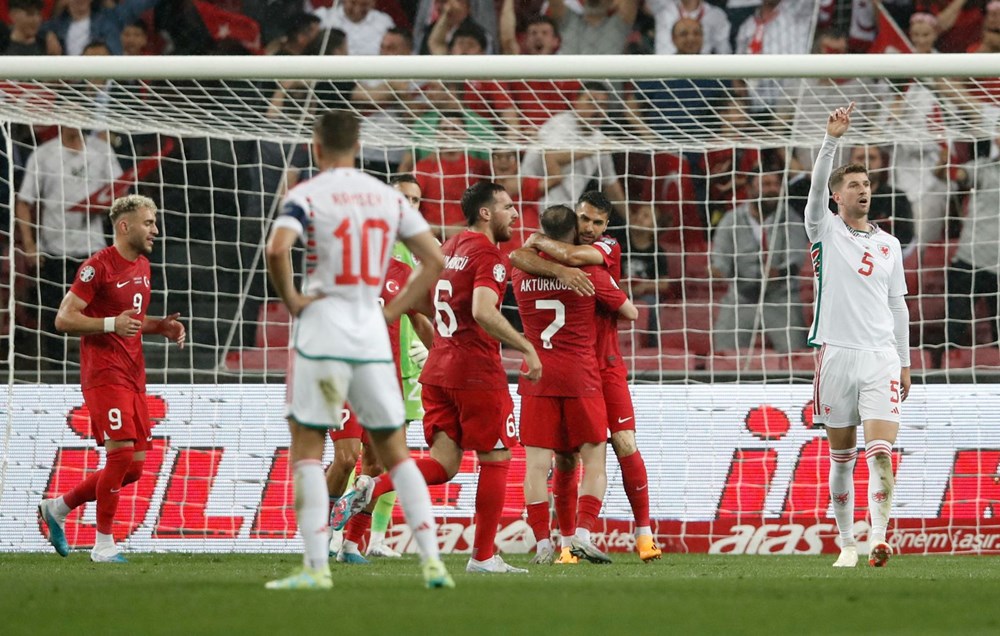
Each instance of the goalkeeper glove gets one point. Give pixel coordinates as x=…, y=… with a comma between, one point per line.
x=418, y=353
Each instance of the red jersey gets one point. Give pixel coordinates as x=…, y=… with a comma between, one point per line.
x=608, y=353
x=395, y=277
x=110, y=284
x=443, y=182
x=464, y=356
x=560, y=324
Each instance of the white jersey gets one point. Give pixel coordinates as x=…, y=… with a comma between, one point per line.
x=855, y=272
x=348, y=222
x=62, y=180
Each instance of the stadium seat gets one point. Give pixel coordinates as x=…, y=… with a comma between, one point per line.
x=802, y=360
x=921, y=359
x=257, y=359
x=977, y=357
x=656, y=359
x=274, y=325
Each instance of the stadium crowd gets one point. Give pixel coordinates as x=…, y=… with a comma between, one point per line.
x=728, y=223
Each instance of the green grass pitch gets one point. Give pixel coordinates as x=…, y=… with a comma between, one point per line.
x=682, y=594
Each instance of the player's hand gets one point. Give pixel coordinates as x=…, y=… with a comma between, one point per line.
x=839, y=121
x=126, y=325
x=534, y=371
x=532, y=240
x=418, y=352
x=298, y=303
x=904, y=383
x=577, y=280
x=173, y=330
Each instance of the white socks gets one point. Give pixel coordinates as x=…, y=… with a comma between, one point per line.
x=104, y=541
x=842, y=492
x=60, y=508
x=642, y=531
x=312, y=512
x=583, y=535
x=881, y=483
x=411, y=490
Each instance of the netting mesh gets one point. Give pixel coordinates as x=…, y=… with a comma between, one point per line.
x=709, y=178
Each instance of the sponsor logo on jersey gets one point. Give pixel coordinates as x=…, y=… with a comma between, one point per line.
x=840, y=498
x=122, y=284
x=87, y=274
x=499, y=273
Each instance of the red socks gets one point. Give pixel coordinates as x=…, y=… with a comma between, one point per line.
x=634, y=480
x=433, y=472
x=86, y=490
x=490, y=497
x=565, y=490
x=109, y=486
x=538, y=520
x=587, y=510
x=358, y=527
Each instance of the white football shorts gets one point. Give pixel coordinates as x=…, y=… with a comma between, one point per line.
x=854, y=385
x=318, y=388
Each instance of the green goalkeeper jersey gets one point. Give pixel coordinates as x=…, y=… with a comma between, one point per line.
x=409, y=371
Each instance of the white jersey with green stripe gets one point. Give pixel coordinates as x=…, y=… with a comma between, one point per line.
x=855, y=272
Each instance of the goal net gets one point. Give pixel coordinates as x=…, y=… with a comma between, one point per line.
x=707, y=162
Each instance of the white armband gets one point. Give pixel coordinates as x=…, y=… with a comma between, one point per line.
x=109, y=324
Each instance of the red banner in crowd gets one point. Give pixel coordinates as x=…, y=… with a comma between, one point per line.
x=890, y=38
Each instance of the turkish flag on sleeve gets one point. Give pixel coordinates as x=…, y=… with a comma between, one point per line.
x=890, y=38
x=224, y=25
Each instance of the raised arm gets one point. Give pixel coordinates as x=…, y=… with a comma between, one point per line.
x=508, y=29
x=817, y=210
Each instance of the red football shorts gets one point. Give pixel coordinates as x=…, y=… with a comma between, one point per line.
x=562, y=423
x=119, y=413
x=352, y=428
x=617, y=399
x=477, y=420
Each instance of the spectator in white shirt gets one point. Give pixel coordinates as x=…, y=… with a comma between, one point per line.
x=364, y=25
x=573, y=139
x=714, y=23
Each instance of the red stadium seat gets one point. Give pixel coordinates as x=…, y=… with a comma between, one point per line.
x=655, y=359
x=921, y=359
x=274, y=325
x=977, y=357
x=256, y=359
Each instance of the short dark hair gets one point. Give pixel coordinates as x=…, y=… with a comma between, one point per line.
x=477, y=196
x=298, y=23
x=337, y=130
x=469, y=30
x=543, y=19
x=406, y=34
x=137, y=24
x=404, y=177
x=97, y=44
x=326, y=43
x=597, y=199
x=595, y=86
x=25, y=5
x=837, y=177
x=558, y=221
